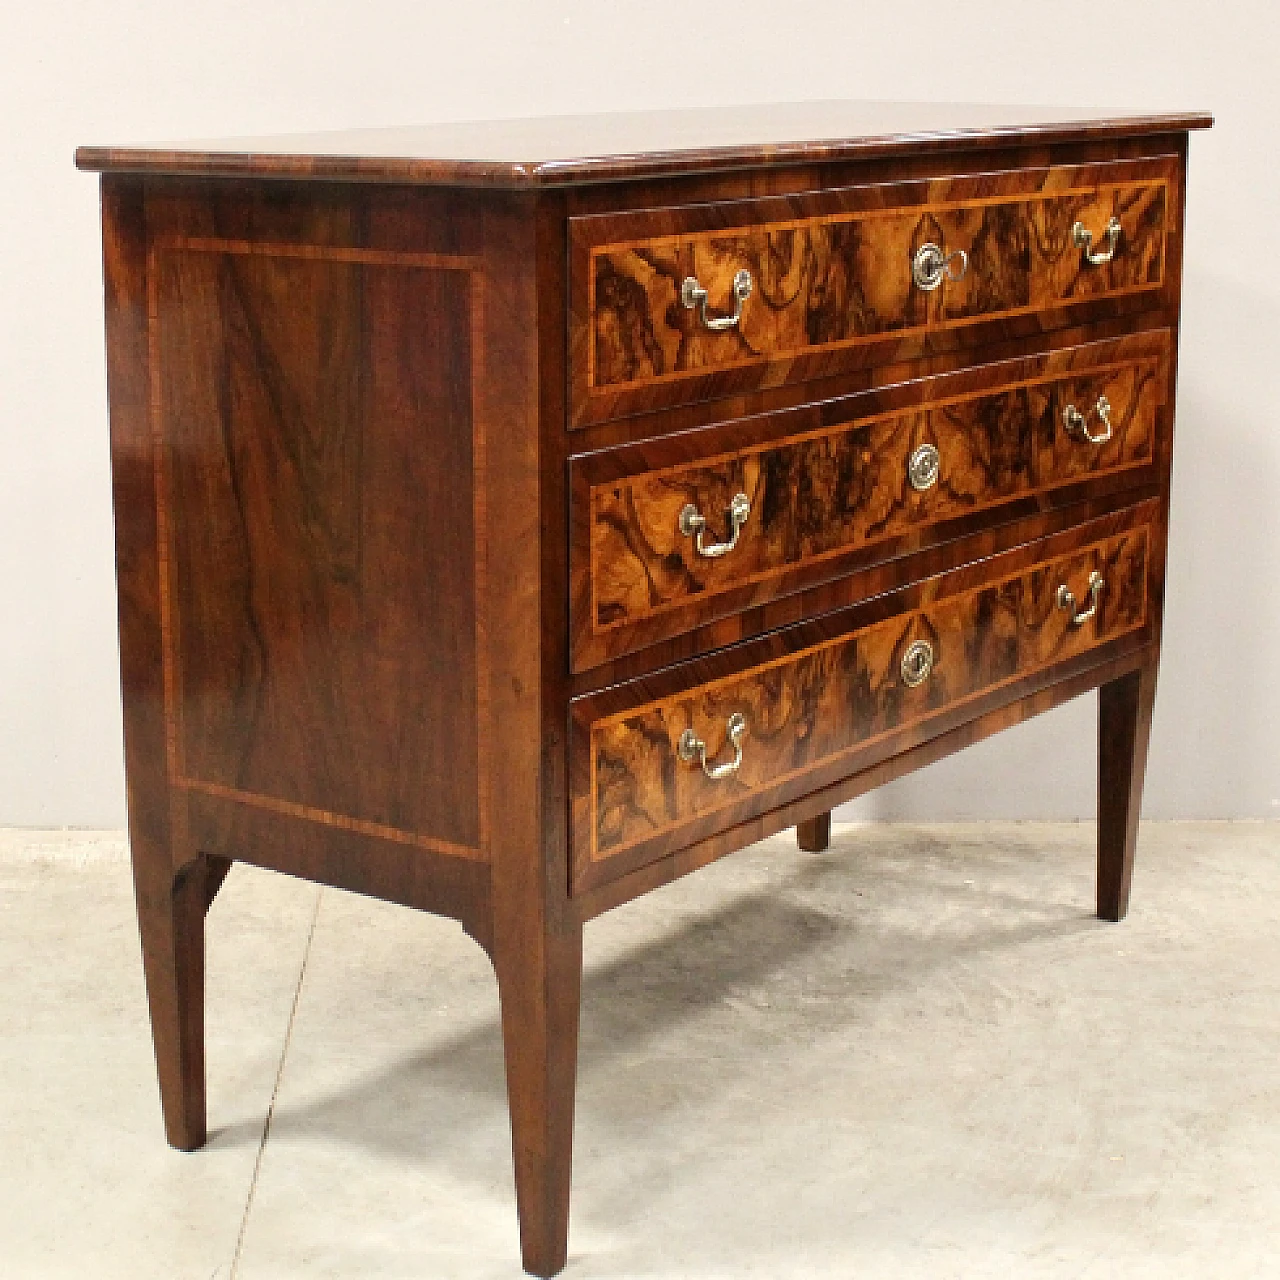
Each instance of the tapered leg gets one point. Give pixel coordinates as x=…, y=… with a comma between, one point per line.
x=170, y=910
x=171, y=920
x=541, y=995
x=815, y=835
x=216, y=871
x=1124, y=728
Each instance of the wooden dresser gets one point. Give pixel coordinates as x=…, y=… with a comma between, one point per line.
x=514, y=517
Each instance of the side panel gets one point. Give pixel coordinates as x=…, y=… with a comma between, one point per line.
x=315, y=446
x=306, y=379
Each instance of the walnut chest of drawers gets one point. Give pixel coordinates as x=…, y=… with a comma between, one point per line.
x=512, y=518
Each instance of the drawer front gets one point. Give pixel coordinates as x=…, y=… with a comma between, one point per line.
x=641, y=789
x=658, y=549
x=830, y=290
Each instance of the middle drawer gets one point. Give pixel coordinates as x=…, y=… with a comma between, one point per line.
x=678, y=531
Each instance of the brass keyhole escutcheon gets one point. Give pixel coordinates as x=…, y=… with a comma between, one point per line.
x=924, y=466
x=917, y=663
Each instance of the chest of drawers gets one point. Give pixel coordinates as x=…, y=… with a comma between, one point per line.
x=513, y=518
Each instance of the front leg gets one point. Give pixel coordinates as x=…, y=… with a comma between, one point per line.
x=1124, y=729
x=540, y=988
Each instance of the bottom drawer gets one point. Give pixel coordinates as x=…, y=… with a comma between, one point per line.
x=652, y=774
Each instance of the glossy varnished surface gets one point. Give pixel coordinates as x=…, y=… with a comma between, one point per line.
x=275, y=427
x=315, y=452
x=558, y=150
x=986, y=718
x=361, y=474
x=316, y=647
x=816, y=494
x=634, y=797
x=834, y=287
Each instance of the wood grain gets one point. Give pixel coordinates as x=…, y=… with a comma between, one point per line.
x=345, y=488
x=170, y=877
x=989, y=715
x=833, y=288
x=1124, y=730
x=841, y=279
x=811, y=706
x=311, y=429
x=567, y=150
x=816, y=495
x=537, y=940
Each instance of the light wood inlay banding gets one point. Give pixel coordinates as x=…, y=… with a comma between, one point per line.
x=807, y=709
x=816, y=495
x=833, y=289
x=829, y=490
x=283, y=562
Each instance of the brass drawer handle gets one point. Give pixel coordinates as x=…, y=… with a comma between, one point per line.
x=693, y=295
x=917, y=663
x=1077, y=423
x=693, y=525
x=1067, y=599
x=1082, y=238
x=932, y=265
x=691, y=747
x=924, y=466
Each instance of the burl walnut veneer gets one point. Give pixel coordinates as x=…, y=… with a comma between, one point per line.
x=512, y=518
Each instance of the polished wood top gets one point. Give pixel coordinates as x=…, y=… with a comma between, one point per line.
x=568, y=150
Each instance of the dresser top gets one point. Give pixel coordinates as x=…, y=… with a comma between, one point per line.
x=568, y=150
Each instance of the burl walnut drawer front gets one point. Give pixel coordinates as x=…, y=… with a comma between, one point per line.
x=652, y=775
x=681, y=304
x=657, y=549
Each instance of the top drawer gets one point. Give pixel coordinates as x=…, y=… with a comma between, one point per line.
x=670, y=306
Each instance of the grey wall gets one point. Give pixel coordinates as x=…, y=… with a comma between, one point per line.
x=93, y=71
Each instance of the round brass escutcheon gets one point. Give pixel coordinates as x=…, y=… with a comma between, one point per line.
x=924, y=467
x=917, y=663
x=933, y=265
x=928, y=267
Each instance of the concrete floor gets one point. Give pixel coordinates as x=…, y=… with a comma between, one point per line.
x=918, y=1055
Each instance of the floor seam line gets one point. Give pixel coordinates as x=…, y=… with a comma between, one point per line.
x=275, y=1091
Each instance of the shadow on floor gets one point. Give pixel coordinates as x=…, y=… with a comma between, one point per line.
x=879, y=919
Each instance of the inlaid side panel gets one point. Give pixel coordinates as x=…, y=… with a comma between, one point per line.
x=825, y=286
x=313, y=418
x=805, y=710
